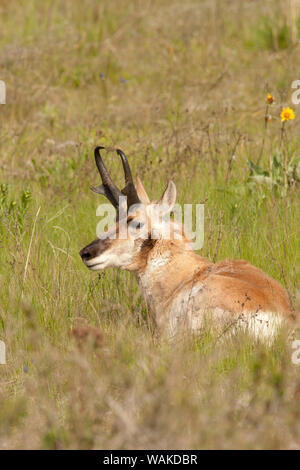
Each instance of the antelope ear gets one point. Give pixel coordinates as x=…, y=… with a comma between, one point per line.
x=141, y=191
x=168, y=199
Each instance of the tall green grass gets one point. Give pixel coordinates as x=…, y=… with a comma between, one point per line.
x=179, y=87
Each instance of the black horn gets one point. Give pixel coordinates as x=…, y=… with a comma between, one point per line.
x=108, y=188
x=129, y=189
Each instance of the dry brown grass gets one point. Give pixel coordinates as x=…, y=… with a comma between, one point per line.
x=183, y=94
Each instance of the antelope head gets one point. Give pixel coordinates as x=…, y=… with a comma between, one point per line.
x=138, y=223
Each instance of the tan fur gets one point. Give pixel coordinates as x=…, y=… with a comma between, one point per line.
x=182, y=289
x=230, y=287
x=141, y=191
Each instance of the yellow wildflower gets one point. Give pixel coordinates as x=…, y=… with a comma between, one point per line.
x=269, y=98
x=287, y=114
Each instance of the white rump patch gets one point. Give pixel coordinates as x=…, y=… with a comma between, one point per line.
x=187, y=315
x=263, y=326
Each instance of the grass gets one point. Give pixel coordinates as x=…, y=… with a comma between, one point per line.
x=182, y=91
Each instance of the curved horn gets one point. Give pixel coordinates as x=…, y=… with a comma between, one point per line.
x=109, y=189
x=126, y=167
x=129, y=189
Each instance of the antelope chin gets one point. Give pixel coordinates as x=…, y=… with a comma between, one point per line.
x=94, y=265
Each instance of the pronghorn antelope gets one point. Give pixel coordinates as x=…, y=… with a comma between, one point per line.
x=181, y=288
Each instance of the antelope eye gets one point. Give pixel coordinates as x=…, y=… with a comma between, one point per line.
x=137, y=225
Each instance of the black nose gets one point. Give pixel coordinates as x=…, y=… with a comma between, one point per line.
x=85, y=253
x=90, y=251
x=94, y=249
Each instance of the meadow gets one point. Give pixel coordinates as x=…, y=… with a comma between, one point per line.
x=181, y=87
